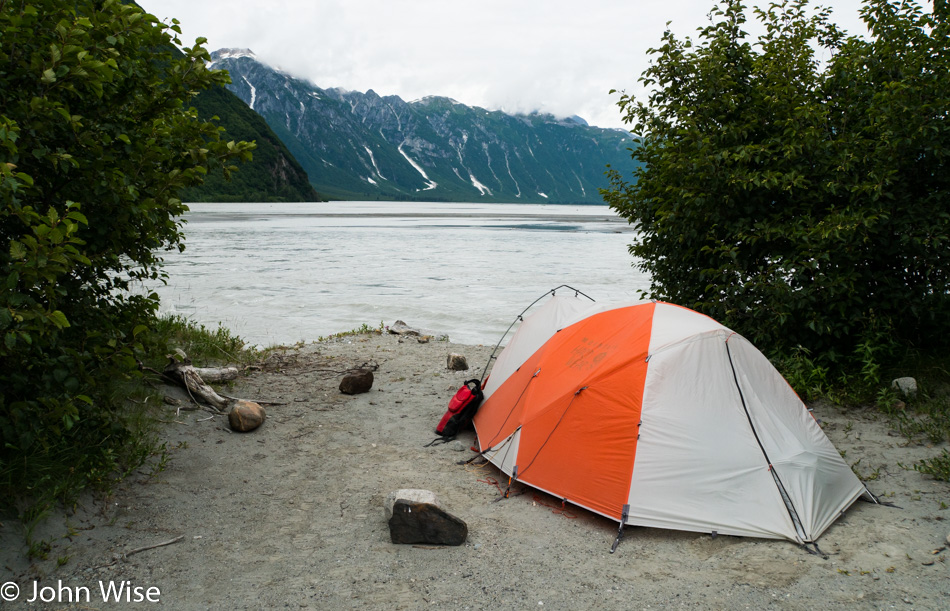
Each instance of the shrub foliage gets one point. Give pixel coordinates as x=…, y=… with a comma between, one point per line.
x=96, y=141
x=796, y=186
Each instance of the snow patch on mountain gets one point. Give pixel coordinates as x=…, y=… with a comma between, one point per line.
x=491, y=169
x=373, y=159
x=508, y=165
x=221, y=54
x=435, y=98
x=430, y=184
x=396, y=115
x=253, y=91
x=580, y=182
x=481, y=188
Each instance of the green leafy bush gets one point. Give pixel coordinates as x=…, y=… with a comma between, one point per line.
x=796, y=186
x=96, y=141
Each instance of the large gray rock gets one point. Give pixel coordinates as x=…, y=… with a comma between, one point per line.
x=417, y=516
x=906, y=386
x=401, y=328
x=356, y=383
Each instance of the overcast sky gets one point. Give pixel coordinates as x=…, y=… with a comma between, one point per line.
x=557, y=56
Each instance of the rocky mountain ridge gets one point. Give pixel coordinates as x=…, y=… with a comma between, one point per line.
x=365, y=146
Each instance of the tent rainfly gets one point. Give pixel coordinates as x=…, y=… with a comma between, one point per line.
x=654, y=415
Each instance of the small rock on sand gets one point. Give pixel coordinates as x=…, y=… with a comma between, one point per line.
x=456, y=362
x=356, y=383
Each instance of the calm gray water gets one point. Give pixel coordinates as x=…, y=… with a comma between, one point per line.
x=282, y=273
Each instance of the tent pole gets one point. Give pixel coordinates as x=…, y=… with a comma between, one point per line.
x=519, y=317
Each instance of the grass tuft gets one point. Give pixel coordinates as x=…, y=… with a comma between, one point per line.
x=203, y=345
x=363, y=329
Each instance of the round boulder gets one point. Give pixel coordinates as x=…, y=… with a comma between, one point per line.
x=246, y=416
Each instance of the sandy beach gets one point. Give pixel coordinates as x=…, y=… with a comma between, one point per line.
x=291, y=515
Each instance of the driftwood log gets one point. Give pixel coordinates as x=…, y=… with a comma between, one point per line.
x=213, y=375
x=245, y=415
x=193, y=379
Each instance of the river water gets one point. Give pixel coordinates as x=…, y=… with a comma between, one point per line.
x=282, y=273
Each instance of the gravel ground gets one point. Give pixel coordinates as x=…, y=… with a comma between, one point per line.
x=291, y=516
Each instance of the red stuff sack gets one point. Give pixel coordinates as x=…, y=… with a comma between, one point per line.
x=462, y=408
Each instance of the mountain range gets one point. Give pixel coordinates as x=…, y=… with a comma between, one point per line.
x=274, y=175
x=356, y=145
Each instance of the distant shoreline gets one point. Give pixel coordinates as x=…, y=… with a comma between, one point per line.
x=593, y=216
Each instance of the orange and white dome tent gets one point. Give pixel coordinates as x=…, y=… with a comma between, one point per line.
x=655, y=415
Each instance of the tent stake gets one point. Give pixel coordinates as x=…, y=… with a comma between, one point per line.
x=613, y=548
x=623, y=523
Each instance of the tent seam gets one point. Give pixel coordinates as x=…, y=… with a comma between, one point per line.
x=786, y=500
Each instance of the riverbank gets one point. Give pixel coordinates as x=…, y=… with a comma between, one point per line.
x=292, y=515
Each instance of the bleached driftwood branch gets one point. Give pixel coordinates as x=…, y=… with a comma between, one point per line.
x=195, y=379
x=188, y=376
x=217, y=374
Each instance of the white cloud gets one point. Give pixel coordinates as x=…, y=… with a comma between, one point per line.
x=558, y=56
